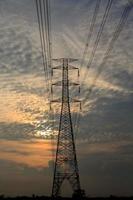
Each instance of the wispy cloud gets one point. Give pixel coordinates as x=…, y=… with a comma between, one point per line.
x=106, y=120
x=33, y=153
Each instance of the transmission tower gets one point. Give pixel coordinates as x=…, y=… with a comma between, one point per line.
x=66, y=166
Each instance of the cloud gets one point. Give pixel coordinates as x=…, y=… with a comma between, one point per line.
x=17, y=52
x=17, y=178
x=110, y=162
x=26, y=162
x=109, y=119
x=22, y=85
x=106, y=122
x=23, y=106
x=31, y=153
x=88, y=148
x=16, y=131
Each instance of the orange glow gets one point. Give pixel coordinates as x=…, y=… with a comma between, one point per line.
x=33, y=153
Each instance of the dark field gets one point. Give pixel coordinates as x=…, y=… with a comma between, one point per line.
x=60, y=198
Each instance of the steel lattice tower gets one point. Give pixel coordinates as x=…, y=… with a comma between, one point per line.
x=66, y=166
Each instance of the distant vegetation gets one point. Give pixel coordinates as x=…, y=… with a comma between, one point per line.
x=35, y=197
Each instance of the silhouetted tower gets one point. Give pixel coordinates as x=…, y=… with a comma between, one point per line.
x=66, y=166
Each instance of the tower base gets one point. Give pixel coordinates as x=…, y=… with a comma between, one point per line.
x=78, y=194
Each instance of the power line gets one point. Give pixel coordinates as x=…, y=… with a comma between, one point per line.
x=99, y=34
x=47, y=30
x=41, y=39
x=44, y=22
x=89, y=36
x=90, y=31
x=115, y=36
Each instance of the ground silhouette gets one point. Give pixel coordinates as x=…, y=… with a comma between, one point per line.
x=35, y=197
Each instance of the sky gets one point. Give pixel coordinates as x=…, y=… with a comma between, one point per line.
x=104, y=142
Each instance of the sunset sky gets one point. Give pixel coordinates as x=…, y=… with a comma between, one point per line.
x=105, y=141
